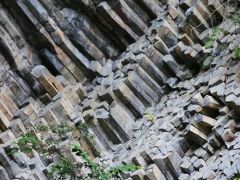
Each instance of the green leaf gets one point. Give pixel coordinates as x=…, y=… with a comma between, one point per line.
x=236, y=54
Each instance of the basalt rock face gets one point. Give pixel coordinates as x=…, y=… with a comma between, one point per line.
x=130, y=69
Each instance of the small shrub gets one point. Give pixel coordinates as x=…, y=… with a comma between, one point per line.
x=213, y=37
x=222, y=47
x=98, y=171
x=62, y=129
x=123, y=168
x=66, y=167
x=209, y=43
x=43, y=128
x=27, y=142
x=236, y=54
x=235, y=18
x=63, y=168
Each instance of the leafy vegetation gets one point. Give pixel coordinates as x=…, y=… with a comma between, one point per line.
x=62, y=129
x=209, y=43
x=235, y=18
x=62, y=169
x=27, y=142
x=222, y=47
x=236, y=54
x=65, y=166
x=59, y=129
x=43, y=128
x=213, y=37
x=98, y=172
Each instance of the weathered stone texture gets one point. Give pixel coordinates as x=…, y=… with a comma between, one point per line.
x=132, y=71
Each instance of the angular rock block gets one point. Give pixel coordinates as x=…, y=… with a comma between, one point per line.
x=128, y=98
x=196, y=136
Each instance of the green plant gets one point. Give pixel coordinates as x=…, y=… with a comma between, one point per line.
x=62, y=129
x=209, y=43
x=43, y=128
x=63, y=168
x=123, y=168
x=97, y=171
x=213, y=37
x=59, y=129
x=26, y=143
x=235, y=18
x=223, y=46
x=236, y=54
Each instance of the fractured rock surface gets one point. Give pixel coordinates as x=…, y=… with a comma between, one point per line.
x=132, y=71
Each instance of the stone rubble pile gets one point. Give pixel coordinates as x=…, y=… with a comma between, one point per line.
x=133, y=72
